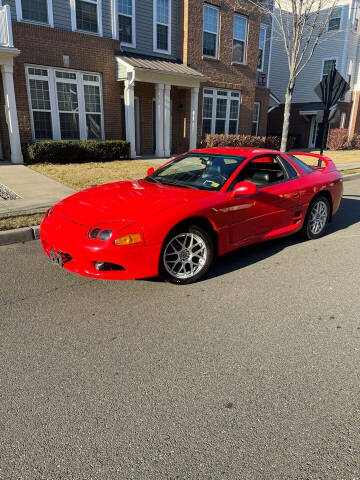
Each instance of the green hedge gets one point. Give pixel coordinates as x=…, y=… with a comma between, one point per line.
x=75, y=152
x=272, y=142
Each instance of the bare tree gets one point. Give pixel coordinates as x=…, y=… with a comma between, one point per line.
x=301, y=25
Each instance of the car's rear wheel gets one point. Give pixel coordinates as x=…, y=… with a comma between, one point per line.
x=317, y=218
x=187, y=255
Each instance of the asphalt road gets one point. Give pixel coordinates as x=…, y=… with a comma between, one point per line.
x=251, y=374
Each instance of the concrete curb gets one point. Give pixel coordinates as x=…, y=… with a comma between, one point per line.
x=18, y=235
x=351, y=176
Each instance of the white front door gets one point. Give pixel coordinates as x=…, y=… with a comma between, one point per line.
x=314, y=128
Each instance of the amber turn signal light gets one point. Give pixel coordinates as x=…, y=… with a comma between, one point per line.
x=129, y=239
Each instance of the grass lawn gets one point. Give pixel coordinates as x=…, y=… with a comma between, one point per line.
x=341, y=156
x=27, y=220
x=84, y=175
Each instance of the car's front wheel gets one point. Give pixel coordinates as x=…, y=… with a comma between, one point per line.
x=187, y=255
x=317, y=218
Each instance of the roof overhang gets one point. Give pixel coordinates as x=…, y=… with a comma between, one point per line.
x=156, y=70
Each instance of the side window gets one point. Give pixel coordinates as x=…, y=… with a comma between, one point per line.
x=264, y=171
x=301, y=164
x=292, y=173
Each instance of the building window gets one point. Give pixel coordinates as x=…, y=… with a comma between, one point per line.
x=39, y=11
x=335, y=19
x=328, y=64
x=126, y=16
x=65, y=105
x=239, y=39
x=210, y=31
x=162, y=30
x=86, y=16
x=220, y=111
x=255, y=119
x=261, y=55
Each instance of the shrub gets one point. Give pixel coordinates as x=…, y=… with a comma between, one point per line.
x=75, y=152
x=355, y=141
x=338, y=139
x=272, y=142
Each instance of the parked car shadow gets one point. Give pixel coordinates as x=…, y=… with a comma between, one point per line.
x=348, y=214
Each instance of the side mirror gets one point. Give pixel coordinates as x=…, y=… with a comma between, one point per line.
x=243, y=189
x=150, y=171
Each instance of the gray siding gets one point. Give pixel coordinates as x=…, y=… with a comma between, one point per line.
x=62, y=14
x=143, y=19
x=144, y=28
x=106, y=18
x=332, y=47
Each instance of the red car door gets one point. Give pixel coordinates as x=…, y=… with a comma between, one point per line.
x=274, y=205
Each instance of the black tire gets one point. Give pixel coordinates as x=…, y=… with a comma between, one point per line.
x=208, y=245
x=307, y=230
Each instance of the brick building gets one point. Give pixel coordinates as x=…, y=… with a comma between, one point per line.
x=160, y=73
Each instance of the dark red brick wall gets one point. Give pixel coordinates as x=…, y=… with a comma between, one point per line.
x=262, y=96
x=222, y=72
x=45, y=46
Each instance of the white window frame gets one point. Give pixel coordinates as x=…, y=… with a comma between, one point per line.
x=115, y=23
x=258, y=118
x=323, y=64
x=55, y=117
x=338, y=7
x=217, y=9
x=240, y=39
x=155, y=23
x=50, y=14
x=215, y=95
x=99, y=17
x=262, y=27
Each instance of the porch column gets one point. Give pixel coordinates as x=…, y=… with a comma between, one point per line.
x=167, y=121
x=159, y=106
x=11, y=113
x=194, y=106
x=130, y=115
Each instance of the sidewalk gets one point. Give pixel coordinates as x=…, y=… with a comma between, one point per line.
x=36, y=192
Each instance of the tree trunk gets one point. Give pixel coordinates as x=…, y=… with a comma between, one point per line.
x=287, y=109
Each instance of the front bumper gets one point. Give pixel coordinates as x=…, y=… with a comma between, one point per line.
x=81, y=253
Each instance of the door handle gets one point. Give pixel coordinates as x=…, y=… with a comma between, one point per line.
x=296, y=195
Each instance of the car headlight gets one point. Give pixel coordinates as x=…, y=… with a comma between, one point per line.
x=98, y=234
x=129, y=239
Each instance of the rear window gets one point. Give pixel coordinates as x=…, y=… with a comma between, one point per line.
x=301, y=164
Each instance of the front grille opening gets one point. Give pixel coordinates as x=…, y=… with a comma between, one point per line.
x=107, y=267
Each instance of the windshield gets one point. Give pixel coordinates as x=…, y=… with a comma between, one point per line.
x=205, y=172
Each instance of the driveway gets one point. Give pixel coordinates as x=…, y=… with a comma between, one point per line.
x=251, y=374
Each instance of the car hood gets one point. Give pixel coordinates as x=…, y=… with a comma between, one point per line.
x=130, y=200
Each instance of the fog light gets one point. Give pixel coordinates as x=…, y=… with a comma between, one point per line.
x=105, y=266
x=129, y=239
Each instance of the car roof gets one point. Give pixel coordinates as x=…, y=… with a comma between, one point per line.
x=236, y=151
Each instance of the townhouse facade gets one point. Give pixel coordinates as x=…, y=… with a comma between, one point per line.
x=159, y=73
x=340, y=47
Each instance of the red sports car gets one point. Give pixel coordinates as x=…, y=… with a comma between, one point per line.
x=204, y=203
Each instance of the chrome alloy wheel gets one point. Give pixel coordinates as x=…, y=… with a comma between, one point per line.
x=318, y=217
x=185, y=255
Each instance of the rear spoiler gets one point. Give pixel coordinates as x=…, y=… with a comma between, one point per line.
x=328, y=163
